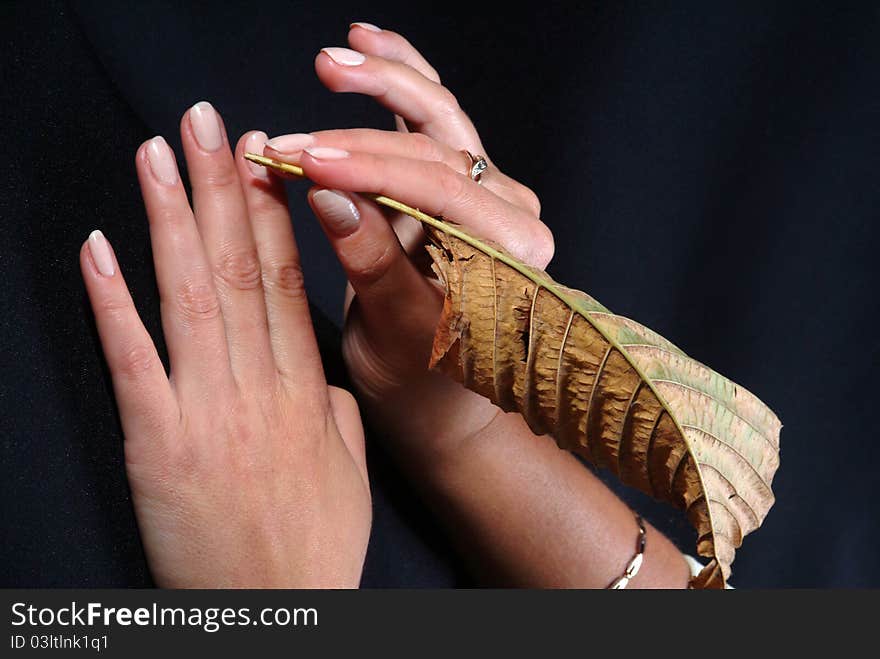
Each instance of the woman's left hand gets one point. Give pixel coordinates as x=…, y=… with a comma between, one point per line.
x=246, y=469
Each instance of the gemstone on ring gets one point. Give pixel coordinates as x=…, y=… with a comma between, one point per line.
x=478, y=166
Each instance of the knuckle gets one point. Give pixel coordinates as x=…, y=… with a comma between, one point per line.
x=425, y=148
x=220, y=179
x=543, y=245
x=530, y=200
x=447, y=103
x=197, y=300
x=112, y=306
x=185, y=460
x=239, y=270
x=452, y=184
x=240, y=429
x=373, y=269
x=432, y=74
x=167, y=216
x=136, y=360
x=286, y=279
x=265, y=204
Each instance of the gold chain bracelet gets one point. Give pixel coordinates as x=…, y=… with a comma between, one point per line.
x=632, y=569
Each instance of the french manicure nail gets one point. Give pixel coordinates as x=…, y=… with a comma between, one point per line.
x=101, y=255
x=254, y=144
x=161, y=160
x=337, y=211
x=367, y=26
x=327, y=153
x=291, y=144
x=345, y=56
x=206, y=126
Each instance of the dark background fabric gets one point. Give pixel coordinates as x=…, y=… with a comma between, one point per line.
x=708, y=171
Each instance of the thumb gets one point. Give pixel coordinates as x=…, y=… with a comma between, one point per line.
x=399, y=307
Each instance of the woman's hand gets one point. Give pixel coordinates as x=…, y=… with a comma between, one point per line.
x=246, y=469
x=523, y=511
x=390, y=324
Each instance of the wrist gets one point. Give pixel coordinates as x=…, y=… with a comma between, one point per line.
x=425, y=417
x=428, y=420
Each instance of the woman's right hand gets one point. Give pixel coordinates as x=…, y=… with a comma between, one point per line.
x=394, y=307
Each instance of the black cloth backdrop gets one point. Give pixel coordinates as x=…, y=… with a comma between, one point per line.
x=708, y=171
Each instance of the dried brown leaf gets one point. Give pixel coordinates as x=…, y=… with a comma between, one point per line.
x=608, y=389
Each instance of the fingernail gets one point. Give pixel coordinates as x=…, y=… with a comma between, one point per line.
x=161, y=160
x=291, y=144
x=337, y=211
x=345, y=56
x=100, y=249
x=367, y=26
x=327, y=153
x=254, y=144
x=206, y=125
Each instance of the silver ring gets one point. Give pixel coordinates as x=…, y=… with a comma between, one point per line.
x=478, y=166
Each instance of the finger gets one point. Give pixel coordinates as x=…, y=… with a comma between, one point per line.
x=373, y=40
x=427, y=106
x=147, y=404
x=409, y=232
x=288, y=148
x=191, y=319
x=222, y=217
x=413, y=145
x=291, y=332
x=437, y=190
x=396, y=302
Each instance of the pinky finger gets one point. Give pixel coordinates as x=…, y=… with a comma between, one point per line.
x=146, y=401
x=373, y=40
